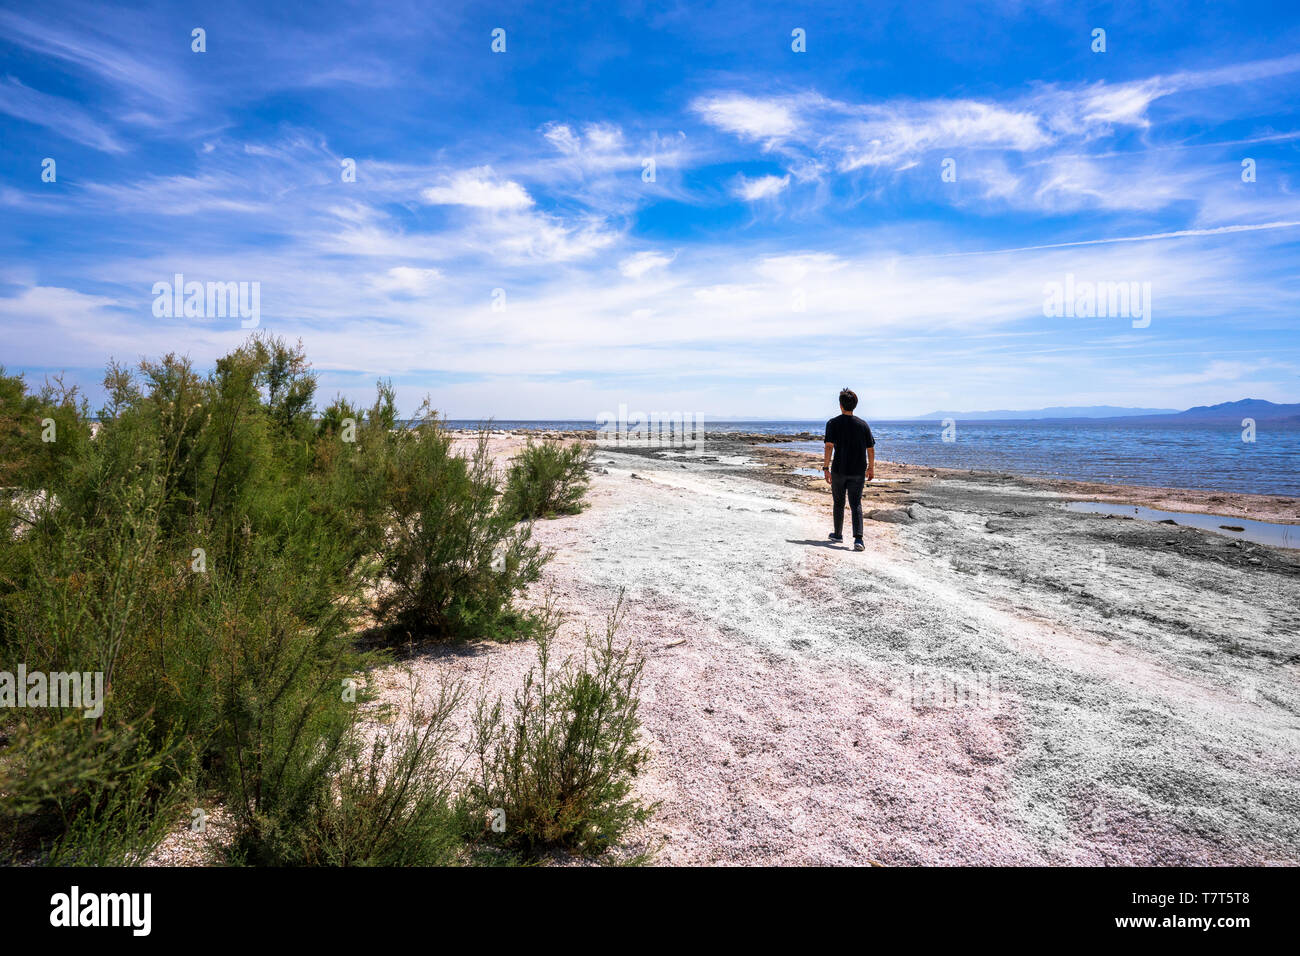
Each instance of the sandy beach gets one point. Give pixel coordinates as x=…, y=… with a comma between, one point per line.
x=994, y=681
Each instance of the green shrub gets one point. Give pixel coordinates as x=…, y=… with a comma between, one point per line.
x=392, y=803
x=77, y=795
x=562, y=762
x=547, y=479
x=454, y=559
x=40, y=433
x=229, y=660
x=282, y=721
x=126, y=813
x=211, y=551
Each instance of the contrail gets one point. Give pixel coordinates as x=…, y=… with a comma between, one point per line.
x=1180, y=234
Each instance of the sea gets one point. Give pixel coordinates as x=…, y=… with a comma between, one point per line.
x=1199, y=456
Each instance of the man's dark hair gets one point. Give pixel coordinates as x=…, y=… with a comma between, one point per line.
x=848, y=400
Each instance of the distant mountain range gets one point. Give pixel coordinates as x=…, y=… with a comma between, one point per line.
x=1231, y=412
x=1256, y=408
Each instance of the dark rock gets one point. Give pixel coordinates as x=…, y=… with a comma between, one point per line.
x=891, y=515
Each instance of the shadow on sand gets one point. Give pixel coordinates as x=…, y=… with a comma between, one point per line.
x=821, y=543
x=380, y=638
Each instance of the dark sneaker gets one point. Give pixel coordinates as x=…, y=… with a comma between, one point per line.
x=858, y=545
x=835, y=537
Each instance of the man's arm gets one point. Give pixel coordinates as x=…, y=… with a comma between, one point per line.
x=826, y=462
x=871, y=462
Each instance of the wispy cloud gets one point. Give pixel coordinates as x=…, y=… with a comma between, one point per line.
x=58, y=115
x=638, y=264
x=762, y=187
x=1026, y=152
x=659, y=227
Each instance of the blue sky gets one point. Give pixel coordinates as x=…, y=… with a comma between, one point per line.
x=797, y=236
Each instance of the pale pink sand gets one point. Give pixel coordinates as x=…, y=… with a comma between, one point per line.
x=784, y=728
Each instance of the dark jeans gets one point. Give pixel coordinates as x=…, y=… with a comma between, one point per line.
x=852, y=484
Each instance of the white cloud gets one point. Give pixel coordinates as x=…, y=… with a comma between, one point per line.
x=550, y=239
x=723, y=312
x=407, y=280
x=562, y=138
x=603, y=137
x=1125, y=104
x=596, y=138
x=789, y=269
x=896, y=133
x=748, y=116
x=638, y=264
x=1027, y=152
x=762, y=187
x=478, y=188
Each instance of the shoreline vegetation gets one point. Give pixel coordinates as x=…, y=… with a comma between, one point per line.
x=331, y=640
x=236, y=566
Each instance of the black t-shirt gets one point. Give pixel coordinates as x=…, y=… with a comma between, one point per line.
x=851, y=437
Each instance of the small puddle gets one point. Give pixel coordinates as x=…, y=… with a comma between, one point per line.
x=812, y=472
x=1243, y=529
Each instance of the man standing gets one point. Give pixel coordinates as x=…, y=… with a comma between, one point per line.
x=855, y=464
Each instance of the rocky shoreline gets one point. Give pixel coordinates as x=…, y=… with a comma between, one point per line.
x=996, y=680
x=779, y=464
x=592, y=434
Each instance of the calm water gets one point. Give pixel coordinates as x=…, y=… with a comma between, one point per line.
x=764, y=428
x=1243, y=529
x=1173, y=456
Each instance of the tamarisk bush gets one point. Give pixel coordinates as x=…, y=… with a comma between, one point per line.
x=546, y=479
x=561, y=761
x=212, y=546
